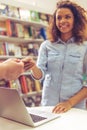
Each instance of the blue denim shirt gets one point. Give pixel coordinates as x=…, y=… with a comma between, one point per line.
x=62, y=67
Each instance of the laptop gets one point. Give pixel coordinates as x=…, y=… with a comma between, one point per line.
x=12, y=107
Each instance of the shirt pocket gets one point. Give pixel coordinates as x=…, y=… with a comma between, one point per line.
x=74, y=64
x=54, y=57
x=74, y=58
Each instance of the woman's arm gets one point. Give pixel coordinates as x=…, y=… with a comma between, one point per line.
x=78, y=97
x=29, y=63
x=65, y=106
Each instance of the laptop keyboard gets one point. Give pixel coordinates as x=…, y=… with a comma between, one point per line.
x=37, y=118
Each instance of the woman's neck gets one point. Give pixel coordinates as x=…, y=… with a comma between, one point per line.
x=66, y=37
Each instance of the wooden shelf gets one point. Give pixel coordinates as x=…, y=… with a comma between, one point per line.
x=31, y=93
x=26, y=23
x=5, y=57
x=17, y=40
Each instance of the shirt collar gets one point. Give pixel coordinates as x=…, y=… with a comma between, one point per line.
x=71, y=40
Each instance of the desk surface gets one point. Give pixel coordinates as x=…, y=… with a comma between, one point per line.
x=74, y=119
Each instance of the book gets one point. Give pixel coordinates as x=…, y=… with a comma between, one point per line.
x=35, y=49
x=38, y=100
x=30, y=31
x=24, y=50
x=2, y=49
x=34, y=16
x=18, y=51
x=3, y=28
x=15, y=84
x=13, y=11
x=6, y=48
x=8, y=28
x=19, y=30
x=30, y=49
x=11, y=28
x=23, y=83
x=44, y=18
x=12, y=49
x=26, y=33
x=29, y=101
x=37, y=85
x=3, y=9
x=30, y=83
x=35, y=32
x=18, y=86
x=24, y=14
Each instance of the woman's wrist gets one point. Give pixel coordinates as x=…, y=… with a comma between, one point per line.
x=36, y=72
x=70, y=103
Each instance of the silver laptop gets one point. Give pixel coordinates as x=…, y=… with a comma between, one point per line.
x=12, y=107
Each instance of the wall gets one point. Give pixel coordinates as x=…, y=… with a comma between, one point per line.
x=46, y=6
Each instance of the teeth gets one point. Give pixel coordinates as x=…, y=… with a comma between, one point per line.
x=64, y=26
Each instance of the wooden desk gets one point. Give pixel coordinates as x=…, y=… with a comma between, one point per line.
x=74, y=119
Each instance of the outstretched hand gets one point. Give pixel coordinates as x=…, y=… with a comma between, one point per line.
x=28, y=63
x=13, y=68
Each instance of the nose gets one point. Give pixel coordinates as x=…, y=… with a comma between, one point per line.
x=63, y=20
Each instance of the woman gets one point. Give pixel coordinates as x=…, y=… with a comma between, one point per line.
x=61, y=58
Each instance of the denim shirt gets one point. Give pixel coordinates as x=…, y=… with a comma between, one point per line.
x=62, y=67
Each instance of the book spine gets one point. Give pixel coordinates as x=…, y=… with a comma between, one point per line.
x=37, y=86
x=8, y=27
x=2, y=48
x=23, y=83
x=30, y=83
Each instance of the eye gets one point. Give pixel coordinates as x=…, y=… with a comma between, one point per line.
x=67, y=16
x=59, y=17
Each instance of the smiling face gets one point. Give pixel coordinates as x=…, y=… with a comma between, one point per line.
x=65, y=21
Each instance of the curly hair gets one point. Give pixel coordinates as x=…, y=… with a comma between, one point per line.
x=80, y=22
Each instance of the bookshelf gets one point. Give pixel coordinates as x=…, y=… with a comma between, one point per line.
x=19, y=40
x=12, y=38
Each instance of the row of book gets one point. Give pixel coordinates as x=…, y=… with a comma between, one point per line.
x=14, y=29
x=24, y=84
x=12, y=49
x=24, y=14
x=33, y=101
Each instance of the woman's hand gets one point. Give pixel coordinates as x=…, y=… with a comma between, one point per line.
x=29, y=63
x=62, y=107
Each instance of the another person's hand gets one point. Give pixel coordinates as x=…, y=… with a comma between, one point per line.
x=62, y=107
x=29, y=63
x=13, y=68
